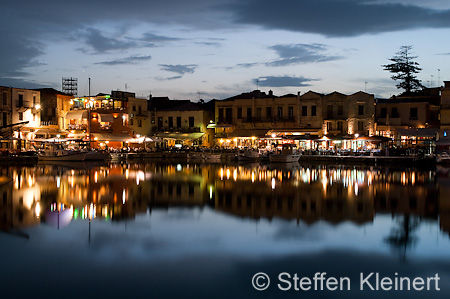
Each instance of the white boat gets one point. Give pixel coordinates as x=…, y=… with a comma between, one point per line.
x=288, y=154
x=56, y=152
x=248, y=156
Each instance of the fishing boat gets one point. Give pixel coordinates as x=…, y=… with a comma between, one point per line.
x=56, y=152
x=287, y=154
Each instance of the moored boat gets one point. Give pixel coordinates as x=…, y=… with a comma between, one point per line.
x=288, y=154
x=56, y=152
x=248, y=155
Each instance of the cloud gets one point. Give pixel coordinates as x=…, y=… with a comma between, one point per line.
x=18, y=53
x=301, y=53
x=22, y=83
x=168, y=79
x=179, y=68
x=154, y=38
x=101, y=44
x=337, y=18
x=283, y=81
x=246, y=65
x=127, y=60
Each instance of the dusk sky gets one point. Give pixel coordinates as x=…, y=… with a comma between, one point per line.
x=217, y=49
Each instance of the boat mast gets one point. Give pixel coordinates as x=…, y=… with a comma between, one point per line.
x=89, y=115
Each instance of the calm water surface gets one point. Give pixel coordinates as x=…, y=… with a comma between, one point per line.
x=180, y=231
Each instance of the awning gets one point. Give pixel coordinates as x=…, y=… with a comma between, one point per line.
x=77, y=114
x=111, y=137
x=249, y=133
x=180, y=136
x=374, y=138
x=214, y=126
x=294, y=131
x=105, y=118
x=302, y=137
x=424, y=132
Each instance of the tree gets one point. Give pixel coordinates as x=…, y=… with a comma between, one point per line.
x=404, y=69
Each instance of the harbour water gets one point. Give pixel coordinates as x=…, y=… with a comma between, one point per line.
x=162, y=230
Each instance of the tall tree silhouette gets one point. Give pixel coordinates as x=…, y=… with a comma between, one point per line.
x=404, y=69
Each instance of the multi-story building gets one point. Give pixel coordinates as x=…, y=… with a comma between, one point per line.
x=184, y=123
x=54, y=107
x=5, y=107
x=100, y=120
x=20, y=109
x=410, y=120
x=139, y=117
x=257, y=118
x=348, y=114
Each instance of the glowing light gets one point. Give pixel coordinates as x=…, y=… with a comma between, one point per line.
x=58, y=182
x=210, y=192
x=179, y=167
x=273, y=183
x=95, y=177
x=235, y=174
x=123, y=196
x=37, y=209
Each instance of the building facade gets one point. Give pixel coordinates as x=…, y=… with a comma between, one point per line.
x=185, y=124
x=256, y=119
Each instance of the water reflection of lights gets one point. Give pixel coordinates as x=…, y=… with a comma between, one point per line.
x=273, y=183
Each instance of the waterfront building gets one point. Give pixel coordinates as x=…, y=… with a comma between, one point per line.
x=101, y=116
x=139, y=117
x=410, y=120
x=258, y=119
x=54, y=107
x=182, y=123
x=20, y=116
